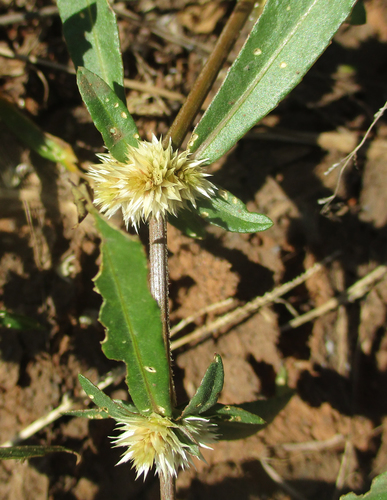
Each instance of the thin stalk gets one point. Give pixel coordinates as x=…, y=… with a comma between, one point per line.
x=157, y=228
x=159, y=275
x=203, y=84
x=158, y=259
x=167, y=488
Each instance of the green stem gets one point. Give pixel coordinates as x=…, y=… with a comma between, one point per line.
x=203, y=84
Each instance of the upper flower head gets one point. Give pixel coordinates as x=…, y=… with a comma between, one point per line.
x=159, y=440
x=152, y=181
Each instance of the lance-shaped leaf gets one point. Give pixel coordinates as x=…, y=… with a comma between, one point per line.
x=91, y=33
x=23, y=452
x=99, y=398
x=227, y=211
x=132, y=319
x=378, y=490
x=107, y=408
x=46, y=145
x=227, y=413
x=282, y=46
x=109, y=114
x=234, y=423
x=224, y=210
x=208, y=392
x=240, y=421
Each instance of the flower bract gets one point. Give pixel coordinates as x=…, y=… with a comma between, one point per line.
x=151, y=182
x=160, y=441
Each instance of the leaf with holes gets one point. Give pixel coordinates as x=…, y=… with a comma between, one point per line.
x=241, y=421
x=282, y=46
x=132, y=319
x=104, y=403
x=109, y=114
x=227, y=211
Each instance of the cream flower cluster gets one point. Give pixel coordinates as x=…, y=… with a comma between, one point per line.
x=152, y=181
x=159, y=441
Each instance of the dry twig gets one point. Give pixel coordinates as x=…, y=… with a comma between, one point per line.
x=332, y=442
x=241, y=313
x=354, y=292
x=273, y=474
x=343, y=470
x=345, y=161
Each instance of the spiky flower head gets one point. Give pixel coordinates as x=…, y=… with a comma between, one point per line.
x=160, y=441
x=152, y=181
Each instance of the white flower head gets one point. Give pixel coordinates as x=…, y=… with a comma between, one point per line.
x=152, y=181
x=157, y=440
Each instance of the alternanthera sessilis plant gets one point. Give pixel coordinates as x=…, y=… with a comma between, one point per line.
x=151, y=182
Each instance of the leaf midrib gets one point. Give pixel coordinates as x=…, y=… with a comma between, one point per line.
x=130, y=329
x=246, y=94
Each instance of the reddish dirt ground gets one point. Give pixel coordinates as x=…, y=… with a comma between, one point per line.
x=332, y=436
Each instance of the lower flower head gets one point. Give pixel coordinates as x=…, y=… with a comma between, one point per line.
x=152, y=181
x=159, y=441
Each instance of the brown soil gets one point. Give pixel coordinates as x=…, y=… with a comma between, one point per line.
x=332, y=436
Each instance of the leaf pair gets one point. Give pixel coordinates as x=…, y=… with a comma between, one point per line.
x=233, y=422
x=91, y=34
x=118, y=130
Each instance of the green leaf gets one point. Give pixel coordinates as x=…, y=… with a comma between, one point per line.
x=378, y=490
x=109, y=114
x=18, y=322
x=236, y=413
x=233, y=422
x=268, y=409
x=282, y=46
x=99, y=398
x=208, y=392
x=46, y=145
x=22, y=452
x=91, y=33
x=132, y=319
x=241, y=421
x=107, y=407
x=230, y=213
x=224, y=210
